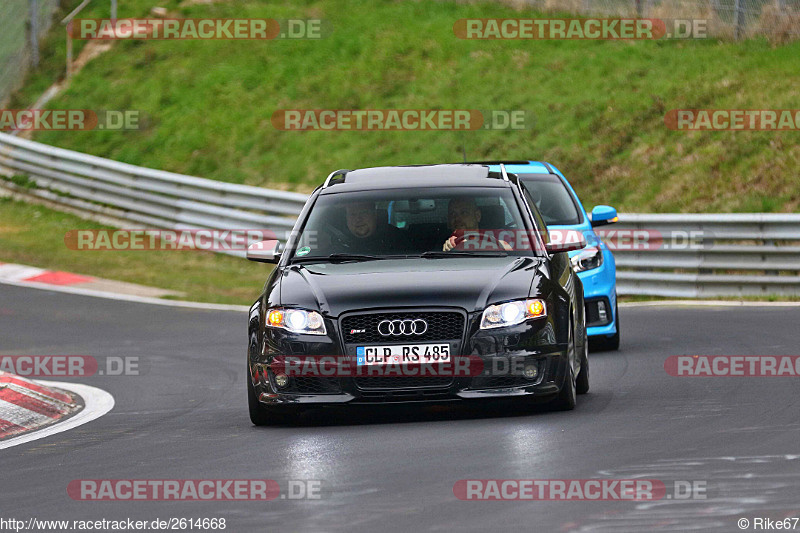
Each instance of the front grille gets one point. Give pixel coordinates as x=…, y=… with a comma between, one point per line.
x=404, y=396
x=401, y=382
x=442, y=325
x=501, y=382
x=308, y=385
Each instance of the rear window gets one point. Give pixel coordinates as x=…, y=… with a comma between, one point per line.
x=555, y=203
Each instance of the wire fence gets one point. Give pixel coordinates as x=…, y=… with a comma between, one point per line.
x=20, y=21
x=23, y=22
x=778, y=20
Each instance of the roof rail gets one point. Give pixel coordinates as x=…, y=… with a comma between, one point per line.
x=503, y=172
x=341, y=172
x=548, y=167
x=505, y=162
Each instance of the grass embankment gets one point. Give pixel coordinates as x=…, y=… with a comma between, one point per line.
x=34, y=235
x=599, y=107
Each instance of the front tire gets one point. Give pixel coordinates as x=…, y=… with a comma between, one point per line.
x=612, y=342
x=566, y=399
x=261, y=415
x=258, y=414
x=582, y=383
x=567, y=396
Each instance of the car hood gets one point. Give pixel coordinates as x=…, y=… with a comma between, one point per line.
x=470, y=283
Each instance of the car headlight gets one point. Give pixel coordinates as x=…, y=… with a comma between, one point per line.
x=587, y=259
x=510, y=313
x=296, y=321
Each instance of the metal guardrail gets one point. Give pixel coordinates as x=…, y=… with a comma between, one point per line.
x=685, y=255
x=707, y=255
x=152, y=198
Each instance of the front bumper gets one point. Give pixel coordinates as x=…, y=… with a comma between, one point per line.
x=503, y=354
x=600, y=284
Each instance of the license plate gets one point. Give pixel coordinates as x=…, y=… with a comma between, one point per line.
x=403, y=354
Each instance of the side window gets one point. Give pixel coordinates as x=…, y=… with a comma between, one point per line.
x=536, y=215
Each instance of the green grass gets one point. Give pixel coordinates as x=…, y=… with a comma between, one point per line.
x=34, y=235
x=598, y=106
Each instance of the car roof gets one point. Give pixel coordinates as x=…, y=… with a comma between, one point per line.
x=417, y=176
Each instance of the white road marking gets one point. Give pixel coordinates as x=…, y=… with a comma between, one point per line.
x=706, y=303
x=13, y=272
x=126, y=297
x=244, y=308
x=97, y=403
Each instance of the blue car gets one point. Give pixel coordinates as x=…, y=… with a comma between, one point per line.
x=562, y=210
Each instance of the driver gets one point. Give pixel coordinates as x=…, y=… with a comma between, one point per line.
x=463, y=216
x=367, y=235
x=548, y=211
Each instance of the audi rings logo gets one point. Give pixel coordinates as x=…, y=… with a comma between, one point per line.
x=402, y=327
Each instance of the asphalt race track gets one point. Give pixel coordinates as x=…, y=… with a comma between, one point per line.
x=393, y=469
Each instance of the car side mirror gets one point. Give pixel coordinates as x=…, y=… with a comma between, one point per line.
x=265, y=251
x=603, y=215
x=574, y=240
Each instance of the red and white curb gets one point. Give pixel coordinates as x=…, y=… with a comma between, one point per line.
x=66, y=282
x=25, y=405
x=31, y=410
x=24, y=273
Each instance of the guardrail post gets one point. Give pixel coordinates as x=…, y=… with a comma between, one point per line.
x=738, y=19
x=34, y=29
x=69, y=50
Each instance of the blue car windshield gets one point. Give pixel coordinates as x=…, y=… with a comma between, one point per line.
x=553, y=199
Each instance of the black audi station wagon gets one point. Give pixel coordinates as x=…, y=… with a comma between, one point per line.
x=416, y=283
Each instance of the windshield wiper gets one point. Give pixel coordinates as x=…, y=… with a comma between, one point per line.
x=451, y=253
x=342, y=257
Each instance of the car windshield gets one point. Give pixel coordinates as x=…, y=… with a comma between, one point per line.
x=551, y=196
x=385, y=223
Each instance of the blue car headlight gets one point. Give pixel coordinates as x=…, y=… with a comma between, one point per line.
x=587, y=259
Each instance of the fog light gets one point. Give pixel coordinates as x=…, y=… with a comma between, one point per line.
x=281, y=380
x=602, y=314
x=530, y=372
